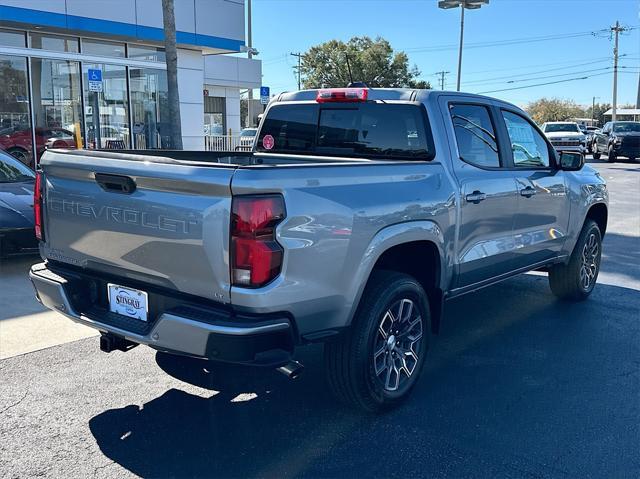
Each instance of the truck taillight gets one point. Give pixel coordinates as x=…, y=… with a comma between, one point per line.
x=348, y=95
x=256, y=256
x=37, y=206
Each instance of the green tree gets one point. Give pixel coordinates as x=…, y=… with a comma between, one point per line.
x=554, y=109
x=598, y=113
x=373, y=62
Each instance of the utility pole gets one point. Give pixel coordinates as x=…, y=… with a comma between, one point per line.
x=593, y=110
x=442, y=74
x=616, y=31
x=460, y=52
x=299, y=56
x=463, y=4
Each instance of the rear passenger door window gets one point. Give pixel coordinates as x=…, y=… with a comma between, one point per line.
x=475, y=135
x=529, y=148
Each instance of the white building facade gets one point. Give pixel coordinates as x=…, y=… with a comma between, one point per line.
x=92, y=73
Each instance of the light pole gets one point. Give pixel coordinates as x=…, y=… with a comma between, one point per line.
x=463, y=4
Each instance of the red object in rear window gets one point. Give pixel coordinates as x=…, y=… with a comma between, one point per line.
x=37, y=206
x=256, y=256
x=348, y=95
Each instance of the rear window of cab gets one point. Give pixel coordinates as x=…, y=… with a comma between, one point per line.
x=368, y=130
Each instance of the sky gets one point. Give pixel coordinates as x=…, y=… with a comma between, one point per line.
x=508, y=43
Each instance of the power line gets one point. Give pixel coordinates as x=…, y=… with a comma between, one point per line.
x=543, y=84
x=514, y=41
x=489, y=80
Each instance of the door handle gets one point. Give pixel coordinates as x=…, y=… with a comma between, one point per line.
x=476, y=197
x=115, y=183
x=528, y=192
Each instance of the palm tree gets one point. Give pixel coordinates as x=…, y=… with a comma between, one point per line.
x=169, y=20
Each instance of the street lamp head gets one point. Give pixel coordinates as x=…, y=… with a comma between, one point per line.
x=468, y=4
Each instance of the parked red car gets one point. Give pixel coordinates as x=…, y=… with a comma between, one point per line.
x=17, y=142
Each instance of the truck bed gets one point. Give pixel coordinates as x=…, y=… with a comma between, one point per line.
x=215, y=158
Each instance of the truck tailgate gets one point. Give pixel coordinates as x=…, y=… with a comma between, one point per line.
x=171, y=230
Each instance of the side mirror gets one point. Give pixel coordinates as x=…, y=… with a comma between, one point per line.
x=571, y=161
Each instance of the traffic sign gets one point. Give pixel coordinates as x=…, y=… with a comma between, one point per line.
x=265, y=95
x=95, y=74
x=95, y=80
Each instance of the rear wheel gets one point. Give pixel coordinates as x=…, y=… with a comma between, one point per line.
x=20, y=155
x=375, y=365
x=575, y=280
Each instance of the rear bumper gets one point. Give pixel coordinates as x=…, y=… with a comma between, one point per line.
x=198, y=332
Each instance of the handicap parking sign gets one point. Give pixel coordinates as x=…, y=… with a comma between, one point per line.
x=95, y=75
x=264, y=95
x=95, y=80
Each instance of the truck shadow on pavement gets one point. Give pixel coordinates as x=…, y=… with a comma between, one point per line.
x=517, y=383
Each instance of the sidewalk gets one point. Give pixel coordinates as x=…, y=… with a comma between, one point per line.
x=25, y=325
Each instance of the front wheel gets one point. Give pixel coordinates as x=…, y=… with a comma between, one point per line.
x=575, y=280
x=611, y=154
x=375, y=365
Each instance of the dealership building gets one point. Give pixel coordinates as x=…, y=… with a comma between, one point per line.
x=93, y=73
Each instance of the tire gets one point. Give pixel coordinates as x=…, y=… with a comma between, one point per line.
x=20, y=155
x=570, y=281
x=611, y=155
x=594, y=151
x=390, y=300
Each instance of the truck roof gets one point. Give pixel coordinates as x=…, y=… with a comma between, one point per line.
x=397, y=94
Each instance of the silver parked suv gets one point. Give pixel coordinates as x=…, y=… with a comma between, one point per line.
x=358, y=215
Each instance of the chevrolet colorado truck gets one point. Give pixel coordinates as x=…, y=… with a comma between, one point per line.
x=359, y=213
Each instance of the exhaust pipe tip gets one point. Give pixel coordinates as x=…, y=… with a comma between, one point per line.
x=292, y=369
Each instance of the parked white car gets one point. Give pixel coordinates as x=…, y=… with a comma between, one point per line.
x=565, y=136
x=247, y=137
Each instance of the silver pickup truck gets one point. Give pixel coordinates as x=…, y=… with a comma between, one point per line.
x=359, y=213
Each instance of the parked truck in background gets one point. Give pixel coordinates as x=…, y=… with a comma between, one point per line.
x=565, y=136
x=359, y=213
x=617, y=138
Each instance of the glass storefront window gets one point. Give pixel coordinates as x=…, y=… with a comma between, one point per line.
x=106, y=111
x=57, y=43
x=149, y=108
x=143, y=52
x=15, y=122
x=214, y=113
x=57, y=104
x=104, y=49
x=12, y=38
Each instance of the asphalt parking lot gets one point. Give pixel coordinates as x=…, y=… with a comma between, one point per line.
x=518, y=384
